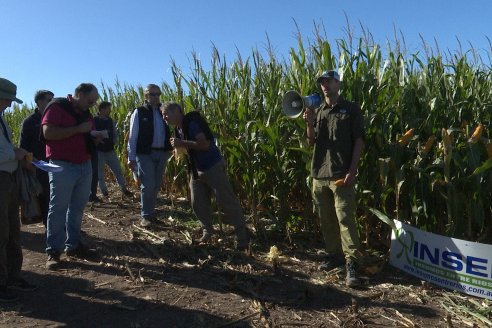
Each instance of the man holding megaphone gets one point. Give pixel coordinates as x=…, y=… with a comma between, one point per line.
x=335, y=129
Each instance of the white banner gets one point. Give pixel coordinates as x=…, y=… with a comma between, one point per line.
x=447, y=262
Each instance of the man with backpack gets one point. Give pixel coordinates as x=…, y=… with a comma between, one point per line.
x=207, y=170
x=67, y=127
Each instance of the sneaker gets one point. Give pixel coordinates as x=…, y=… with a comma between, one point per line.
x=83, y=252
x=351, y=280
x=332, y=261
x=53, y=261
x=22, y=285
x=7, y=296
x=145, y=222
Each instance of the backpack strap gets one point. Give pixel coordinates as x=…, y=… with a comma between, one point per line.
x=66, y=105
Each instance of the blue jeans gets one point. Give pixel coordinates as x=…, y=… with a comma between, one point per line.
x=150, y=171
x=110, y=158
x=69, y=193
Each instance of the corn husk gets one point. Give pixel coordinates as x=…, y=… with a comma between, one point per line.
x=403, y=141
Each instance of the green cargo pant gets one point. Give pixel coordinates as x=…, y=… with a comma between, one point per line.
x=215, y=181
x=336, y=209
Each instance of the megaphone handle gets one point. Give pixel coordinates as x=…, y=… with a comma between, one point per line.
x=309, y=116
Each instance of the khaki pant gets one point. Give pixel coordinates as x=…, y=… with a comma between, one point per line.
x=10, y=248
x=215, y=181
x=336, y=209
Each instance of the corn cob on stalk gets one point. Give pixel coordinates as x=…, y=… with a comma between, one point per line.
x=428, y=144
x=403, y=141
x=477, y=134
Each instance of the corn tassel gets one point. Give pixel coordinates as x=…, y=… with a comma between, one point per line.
x=403, y=141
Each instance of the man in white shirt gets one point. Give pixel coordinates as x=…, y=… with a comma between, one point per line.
x=148, y=150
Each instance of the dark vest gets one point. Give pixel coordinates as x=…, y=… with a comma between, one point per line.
x=105, y=124
x=79, y=118
x=146, y=130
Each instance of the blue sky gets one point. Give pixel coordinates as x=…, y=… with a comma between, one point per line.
x=57, y=44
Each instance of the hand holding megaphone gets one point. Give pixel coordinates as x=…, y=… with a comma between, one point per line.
x=309, y=116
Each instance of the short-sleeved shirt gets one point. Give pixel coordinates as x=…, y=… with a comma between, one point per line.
x=336, y=130
x=203, y=159
x=72, y=149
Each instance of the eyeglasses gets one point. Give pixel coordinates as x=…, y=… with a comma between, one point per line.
x=154, y=94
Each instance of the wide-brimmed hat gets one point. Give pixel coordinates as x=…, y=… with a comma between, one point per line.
x=329, y=75
x=8, y=90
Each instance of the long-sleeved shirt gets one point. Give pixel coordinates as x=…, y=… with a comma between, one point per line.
x=158, y=140
x=8, y=163
x=29, y=139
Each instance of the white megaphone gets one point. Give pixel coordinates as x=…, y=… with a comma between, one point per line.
x=293, y=103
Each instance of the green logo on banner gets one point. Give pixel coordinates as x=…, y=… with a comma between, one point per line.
x=406, y=240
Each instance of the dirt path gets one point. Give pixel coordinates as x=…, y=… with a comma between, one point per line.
x=157, y=278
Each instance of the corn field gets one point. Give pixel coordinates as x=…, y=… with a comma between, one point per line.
x=420, y=165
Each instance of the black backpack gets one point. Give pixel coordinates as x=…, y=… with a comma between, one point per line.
x=196, y=117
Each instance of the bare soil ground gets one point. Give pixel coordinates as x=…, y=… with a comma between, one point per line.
x=158, y=277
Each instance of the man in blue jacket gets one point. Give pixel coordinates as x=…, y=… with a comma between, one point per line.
x=30, y=140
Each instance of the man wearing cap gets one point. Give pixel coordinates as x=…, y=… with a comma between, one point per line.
x=67, y=127
x=148, y=150
x=30, y=140
x=335, y=129
x=10, y=248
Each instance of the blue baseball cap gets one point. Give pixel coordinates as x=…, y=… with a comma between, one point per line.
x=332, y=74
